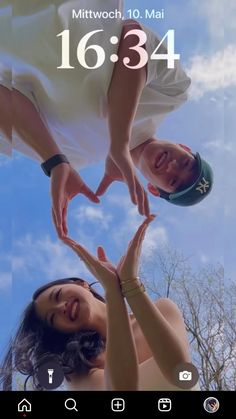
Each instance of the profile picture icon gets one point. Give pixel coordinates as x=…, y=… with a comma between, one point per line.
x=211, y=405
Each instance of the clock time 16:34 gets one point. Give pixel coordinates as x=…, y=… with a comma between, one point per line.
x=83, y=47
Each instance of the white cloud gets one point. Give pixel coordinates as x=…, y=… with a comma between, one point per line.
x=46, y=257
x=5, y=273
x=211, y=73
x=4, y=161
x=213, y=11
x=5, y=149
x=219, y=145
x=220, y=16
x=5, y=281
x=155, y=238
x=93, y=215
x=122, y=234
x=128, y=222
x=204, y=258
x=121, y=201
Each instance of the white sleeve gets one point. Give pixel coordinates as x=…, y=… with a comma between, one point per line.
x=5, y=66
x=5, y=44
x=5, y=76
x=7, y=58
x=170, y=82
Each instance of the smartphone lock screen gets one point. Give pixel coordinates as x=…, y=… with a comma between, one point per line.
x=117, y=215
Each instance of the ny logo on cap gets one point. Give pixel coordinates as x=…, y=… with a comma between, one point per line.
x=203, y=186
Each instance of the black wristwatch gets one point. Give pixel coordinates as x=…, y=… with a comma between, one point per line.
x=49, y=164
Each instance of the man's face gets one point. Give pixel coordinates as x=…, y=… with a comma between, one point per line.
x=170, y=167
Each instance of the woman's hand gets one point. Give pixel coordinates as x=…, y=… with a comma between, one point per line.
x=100, y=267
x=128, y=265
x=103, y=270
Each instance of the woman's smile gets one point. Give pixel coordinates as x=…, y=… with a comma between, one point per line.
x=72, y=309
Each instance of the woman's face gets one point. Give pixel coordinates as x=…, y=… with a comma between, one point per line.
x=67, y=307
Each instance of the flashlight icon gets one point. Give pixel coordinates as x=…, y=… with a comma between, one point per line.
x=50, y=375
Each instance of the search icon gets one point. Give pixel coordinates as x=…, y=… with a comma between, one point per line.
x=70, y=404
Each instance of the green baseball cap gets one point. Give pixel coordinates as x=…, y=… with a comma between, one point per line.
x=196, y=192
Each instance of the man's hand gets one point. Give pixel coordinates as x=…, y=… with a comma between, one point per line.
x=119, y=166
x=66, y=183
x=112, y=174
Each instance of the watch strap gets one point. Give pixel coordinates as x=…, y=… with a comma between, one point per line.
x=49, y=164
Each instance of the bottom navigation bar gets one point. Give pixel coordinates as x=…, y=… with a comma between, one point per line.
x=112, y=404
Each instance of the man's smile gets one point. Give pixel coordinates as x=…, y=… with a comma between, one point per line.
x=161, y=160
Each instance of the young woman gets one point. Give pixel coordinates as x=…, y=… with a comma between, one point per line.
x=98, y=343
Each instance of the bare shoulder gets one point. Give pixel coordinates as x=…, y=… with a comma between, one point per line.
x=166, y=305
x=173, y=315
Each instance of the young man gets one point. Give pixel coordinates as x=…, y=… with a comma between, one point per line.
x=71, y=118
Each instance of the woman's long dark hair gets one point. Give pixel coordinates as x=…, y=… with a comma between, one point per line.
x=35, y=343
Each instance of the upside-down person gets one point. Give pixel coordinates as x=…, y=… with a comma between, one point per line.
x=71, y=118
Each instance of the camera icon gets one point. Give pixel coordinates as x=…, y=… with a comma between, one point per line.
x=185, y=376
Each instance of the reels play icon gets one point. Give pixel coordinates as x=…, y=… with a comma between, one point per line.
x=164, y=405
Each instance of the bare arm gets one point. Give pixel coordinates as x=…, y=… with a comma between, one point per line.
x=121, y=362
x=29, y=125
x=6, y=112
x=161, y=324
x=123, y=98
x=125, y=90
x=120, y=372
x=66, y=183
x=121, y=367
x=164, y=330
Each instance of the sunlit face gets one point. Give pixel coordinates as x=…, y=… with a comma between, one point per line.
x=168, y=166
x=67, y=307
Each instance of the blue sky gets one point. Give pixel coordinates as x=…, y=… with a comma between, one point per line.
x=31, y=254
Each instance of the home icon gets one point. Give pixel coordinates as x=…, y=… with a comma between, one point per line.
x=24, y=406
